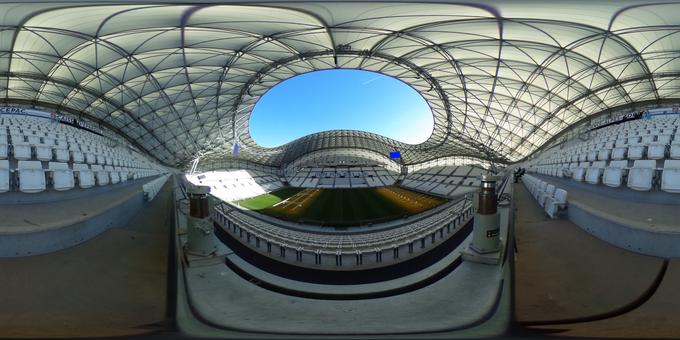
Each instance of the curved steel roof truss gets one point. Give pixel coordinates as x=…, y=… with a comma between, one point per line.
x=181, y=80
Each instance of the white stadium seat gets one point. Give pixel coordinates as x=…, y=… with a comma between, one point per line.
x=90, y=158
x=123, y=173
x=101, y=174
x=3, y=147
x=670, y=177
x=603, y=154
x=577, y=173
x=647, y=139
x=619, y=152
x=62, y=176
x=636, y=151
x=4, y=175
x=31, y=176
x=552, y=204
x=641, y=174
x=594, y=171
x=86, y=178
x=656, y=150
x=21, y=150
x=592, y=155
x=33, y=139
x=675, y=150
x=62, y=154
x=115, y=177
x=664, y=139
x=43, y=152
x=77, y=156
x=548, y=192
x=613, y=173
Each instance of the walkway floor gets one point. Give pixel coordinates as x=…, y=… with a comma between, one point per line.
x=112, y=285
x=568, y=281
x=460, y=300
x=656, y=318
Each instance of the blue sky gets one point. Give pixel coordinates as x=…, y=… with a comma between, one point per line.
x=340, y=99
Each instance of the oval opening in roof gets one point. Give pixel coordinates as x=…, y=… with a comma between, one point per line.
x=340, y=99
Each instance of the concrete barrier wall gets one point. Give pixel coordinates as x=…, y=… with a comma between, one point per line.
x=42, y=242
x=643, y=241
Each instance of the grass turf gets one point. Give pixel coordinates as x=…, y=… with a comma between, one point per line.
x=268, y=200
x=342, y=207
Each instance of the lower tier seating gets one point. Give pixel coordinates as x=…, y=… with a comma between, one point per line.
x=233, y=185
x=450, y=181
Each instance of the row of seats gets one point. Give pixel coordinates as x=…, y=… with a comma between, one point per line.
x=23, y=152
x=644, y=154
x=643, y=175
x=152, y=188
x=38, y=154
x=33, y=138
x=549, y=197
x=604, y=152
x=30, y=177
x=656, y=138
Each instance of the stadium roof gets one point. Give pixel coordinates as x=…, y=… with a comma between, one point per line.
x=180, y=80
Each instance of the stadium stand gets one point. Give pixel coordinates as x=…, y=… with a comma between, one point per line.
x=447, y=181
x=342, y=168
x=127, y=86
x=637, y=153
x=342, y=177
x=42, y=154
x=239, y=184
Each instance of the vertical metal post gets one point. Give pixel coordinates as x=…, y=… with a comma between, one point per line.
x=200, y=237
x=485, y=236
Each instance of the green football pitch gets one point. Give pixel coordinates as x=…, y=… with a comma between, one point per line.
x=341, y=207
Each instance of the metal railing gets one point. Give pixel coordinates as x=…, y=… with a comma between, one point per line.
x=344, y=250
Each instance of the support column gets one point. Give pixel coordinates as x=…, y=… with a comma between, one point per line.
x=485, y=245
x=487, y=222
x=200, y=236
